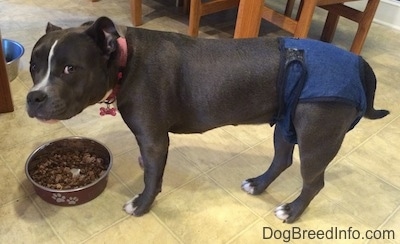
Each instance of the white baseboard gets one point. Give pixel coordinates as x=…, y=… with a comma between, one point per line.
x=388, y=12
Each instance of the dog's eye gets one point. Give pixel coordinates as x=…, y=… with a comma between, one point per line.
x=69, y=69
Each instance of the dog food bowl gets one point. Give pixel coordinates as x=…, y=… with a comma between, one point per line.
x=69, y=171
x=13, y=52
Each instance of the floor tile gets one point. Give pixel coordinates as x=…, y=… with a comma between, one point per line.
x=177, y=172
x=251, y=134
x=346, y=183
x=209, y=149
x=260, y=231
x=377, y=154
x=390, y=230
x=22, y=223
x=9, y=187
x=145, y=229
x=202, y=212
x=251, y=164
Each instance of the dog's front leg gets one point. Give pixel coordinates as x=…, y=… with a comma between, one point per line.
x=154, y=152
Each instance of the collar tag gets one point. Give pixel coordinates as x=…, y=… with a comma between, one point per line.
x=111, y=99
x=108, y=110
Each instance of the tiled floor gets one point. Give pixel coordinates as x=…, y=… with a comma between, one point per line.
x=201, y=200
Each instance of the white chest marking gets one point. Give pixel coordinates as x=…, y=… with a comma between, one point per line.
x=46, y=79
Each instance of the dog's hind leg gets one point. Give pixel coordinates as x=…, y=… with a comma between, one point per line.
x=320, y=129
x=283, y=158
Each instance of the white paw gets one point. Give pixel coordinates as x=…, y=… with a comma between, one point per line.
x=128, y=206
x=246, y=186
x=282, y=212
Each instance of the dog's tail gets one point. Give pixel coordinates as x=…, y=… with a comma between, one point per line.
x=370, y=87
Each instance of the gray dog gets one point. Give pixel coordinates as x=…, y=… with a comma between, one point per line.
x=166, y=82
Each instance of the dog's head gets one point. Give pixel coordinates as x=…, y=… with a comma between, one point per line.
x=72, y=69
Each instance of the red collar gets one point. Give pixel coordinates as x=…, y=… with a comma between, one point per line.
x=123, y=48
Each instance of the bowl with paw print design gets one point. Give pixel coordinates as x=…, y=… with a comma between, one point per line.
x=69, y=171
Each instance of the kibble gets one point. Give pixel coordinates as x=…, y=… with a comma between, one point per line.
x=54, y=171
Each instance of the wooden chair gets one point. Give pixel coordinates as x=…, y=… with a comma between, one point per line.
x=197, y=9
x=300, y=25
x=136, y=10
x=248, y=26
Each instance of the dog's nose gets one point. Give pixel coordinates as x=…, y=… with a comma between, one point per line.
x=36, y=97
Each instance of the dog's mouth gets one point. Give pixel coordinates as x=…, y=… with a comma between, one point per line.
x=43, y=119
x=48, y=118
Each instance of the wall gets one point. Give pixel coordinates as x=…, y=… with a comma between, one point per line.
x=388, y=12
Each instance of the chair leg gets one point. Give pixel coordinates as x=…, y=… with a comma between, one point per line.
x=289, y=7
x=136, y=12
x=186, y=6
x=299, y=10
x=194, y=17
x=248, y=25
x=329, y=27
x=304, y=22
x=364, y=25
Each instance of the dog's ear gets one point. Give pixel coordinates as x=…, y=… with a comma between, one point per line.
x=104, y=33
x=50, y=27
